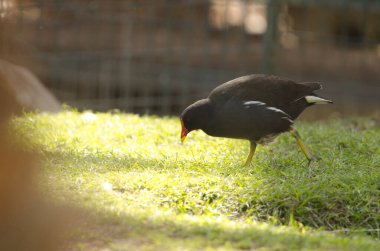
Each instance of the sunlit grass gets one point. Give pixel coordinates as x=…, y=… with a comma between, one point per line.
x=149, y=191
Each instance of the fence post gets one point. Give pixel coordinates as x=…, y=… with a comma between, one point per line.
x=270, y=36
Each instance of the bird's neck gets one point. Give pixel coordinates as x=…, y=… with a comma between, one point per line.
x=205, y=111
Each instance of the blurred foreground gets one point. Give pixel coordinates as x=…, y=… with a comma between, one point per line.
x=28, y=221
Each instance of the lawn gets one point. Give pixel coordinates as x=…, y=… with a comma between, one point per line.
x=144, y=190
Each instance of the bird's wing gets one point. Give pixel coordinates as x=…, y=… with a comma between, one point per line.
x=274, y=91
x=251, y=119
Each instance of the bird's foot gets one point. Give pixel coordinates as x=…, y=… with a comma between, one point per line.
x=247, y=163
x=311, y=160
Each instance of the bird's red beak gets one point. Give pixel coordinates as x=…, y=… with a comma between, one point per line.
x=184, y=131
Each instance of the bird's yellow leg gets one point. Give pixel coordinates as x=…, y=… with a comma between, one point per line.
x=251, y=153
x=302, y=145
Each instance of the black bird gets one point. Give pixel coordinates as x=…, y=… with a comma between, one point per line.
x=255, y=107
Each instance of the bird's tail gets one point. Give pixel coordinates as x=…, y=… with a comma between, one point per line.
x=311, y=99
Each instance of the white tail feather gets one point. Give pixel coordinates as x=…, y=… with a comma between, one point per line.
x=317, y=100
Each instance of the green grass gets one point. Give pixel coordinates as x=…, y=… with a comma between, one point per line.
x=146, y=191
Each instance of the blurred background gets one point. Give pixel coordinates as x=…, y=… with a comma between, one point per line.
x=159, y=56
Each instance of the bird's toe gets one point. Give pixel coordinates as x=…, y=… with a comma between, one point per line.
x=314, y=158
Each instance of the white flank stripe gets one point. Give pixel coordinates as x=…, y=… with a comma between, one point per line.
x=288, y=119
x=253, y=103
x=275, y=109
x=280, y=111
x=316, y=100
x=249, y=104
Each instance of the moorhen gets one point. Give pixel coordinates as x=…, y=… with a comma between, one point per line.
x=255, y=107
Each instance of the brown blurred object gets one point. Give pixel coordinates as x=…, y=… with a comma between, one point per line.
x=21, y=91
x=28, y=222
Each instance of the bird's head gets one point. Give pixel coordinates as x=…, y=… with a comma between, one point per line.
x=195, y=117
